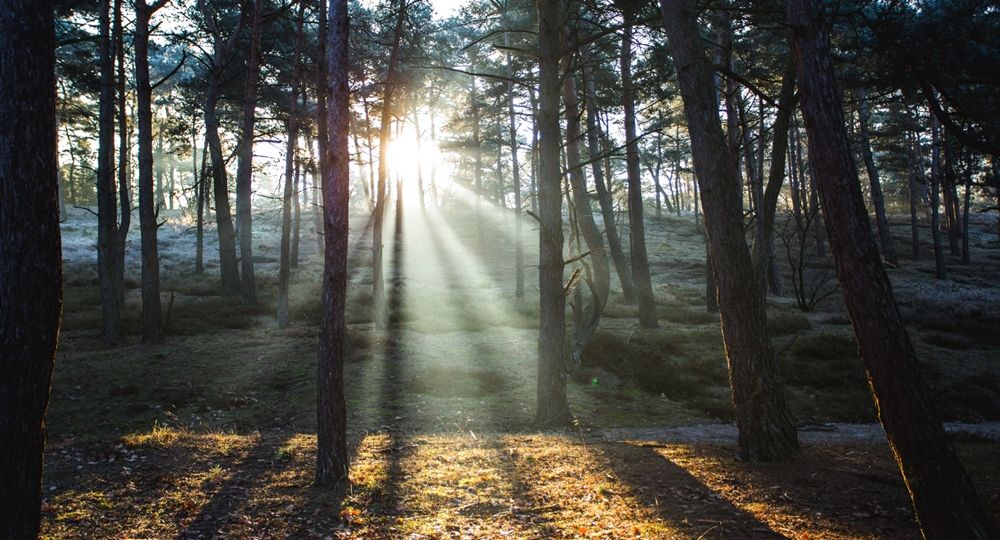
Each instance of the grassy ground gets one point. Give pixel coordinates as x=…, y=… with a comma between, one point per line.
x=210, y=432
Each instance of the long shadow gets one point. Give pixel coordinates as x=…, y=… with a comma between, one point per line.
x=676, y=496
x=392, y=416
x=231, y=493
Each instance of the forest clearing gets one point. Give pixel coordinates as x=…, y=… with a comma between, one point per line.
x=441, y=429
x=527, y=269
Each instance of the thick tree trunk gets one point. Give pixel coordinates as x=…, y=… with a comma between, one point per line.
x=107, y=206
x=603, y=192
x=553, y=408
x=331, y=437
x=30, y=255
x=152, y=321
x=878, y=200
x=637, y=229
x=943, y=496
x=244, y=168
x=765, y=426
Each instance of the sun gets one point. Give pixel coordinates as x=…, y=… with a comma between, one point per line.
x=415, y=163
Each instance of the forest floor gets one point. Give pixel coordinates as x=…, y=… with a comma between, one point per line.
x=212, y=432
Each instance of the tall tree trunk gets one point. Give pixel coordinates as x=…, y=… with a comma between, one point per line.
x=943, y=496
x=763, y=251
x=385, y=125
x=966, y=257
x=30, y=251
x=941, y=270
x=516, y=174
x=223, y=215
x=107, y=206
x=244, y=168
x=878, y=199
x=637, y=229
x=533, y=194
x=331, y=437
x=553, y=409
x=600, y=278
x=152, y=322
x=284, y=265
x=124, y=168
x=603, y=191
x=202, y=196
x=765, y=426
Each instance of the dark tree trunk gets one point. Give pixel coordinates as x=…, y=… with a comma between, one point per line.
x=244, y=168
x=765, y=426
x=603, y=192
x=637, y=229
x=878, y=200
x=763, y=251
x=152, y=321
x=599, y=278
x=124, y=197
x=533, y=194
x=298, y=188
x=107, y=206
x=966, y=257
x=378, y=283
x=223, y=215
x=553, y=408
x=943, y=496
x=30, y=255
x=201, y=194
x=331, y=416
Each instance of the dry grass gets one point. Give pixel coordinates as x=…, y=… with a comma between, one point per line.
x=189, y=485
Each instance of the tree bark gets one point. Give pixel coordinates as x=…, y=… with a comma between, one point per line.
x=331, y=436
x=878, y=199
x=943, y=496
x=637, y=229
x=30, y=255
x=124, y=168
x=600, y=277
x=107, y=206
x=223, y=216
x=553, y=409
x=152, y=321
x=603, y=191
x=244, y=167
x=765, y=426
